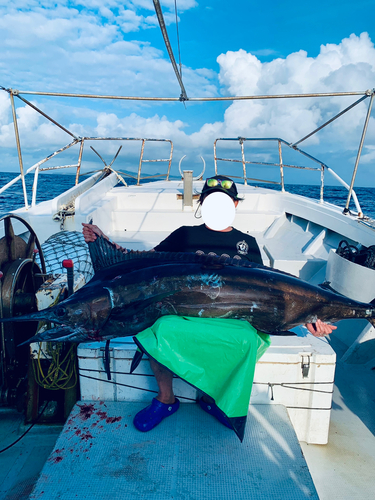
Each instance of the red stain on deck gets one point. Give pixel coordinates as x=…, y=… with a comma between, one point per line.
x=112, y=420
x=104, y=416
x=87, y=436
x=57, y=456
x=88, y=449
x=86, y=411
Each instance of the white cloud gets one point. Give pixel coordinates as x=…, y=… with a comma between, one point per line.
x=136, y=126
x=35, y=132
x=348, y=66
x=93, y=47
x=88, y=47
x=369, y=155
x=4, y=108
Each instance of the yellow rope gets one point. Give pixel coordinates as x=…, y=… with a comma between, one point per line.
x=60, y=374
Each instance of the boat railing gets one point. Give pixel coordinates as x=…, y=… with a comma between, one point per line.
x=370, y=93
x=37, y=167
x=142, y=160
x=322, y=167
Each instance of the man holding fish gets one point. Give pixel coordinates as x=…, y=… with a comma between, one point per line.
x=218, y=201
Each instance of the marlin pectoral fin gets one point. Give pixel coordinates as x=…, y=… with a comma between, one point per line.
x=136, y=360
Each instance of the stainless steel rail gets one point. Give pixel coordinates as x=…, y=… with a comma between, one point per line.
x=193, y=99
x=368, y=93
x=281, y=165
x=36, y=167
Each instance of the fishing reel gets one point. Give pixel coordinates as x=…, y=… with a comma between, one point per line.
x=23, y=271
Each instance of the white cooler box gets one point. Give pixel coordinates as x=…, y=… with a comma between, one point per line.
x=297, y=372
x=123, y=386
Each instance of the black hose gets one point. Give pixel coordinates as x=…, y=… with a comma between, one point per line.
x=24, y=434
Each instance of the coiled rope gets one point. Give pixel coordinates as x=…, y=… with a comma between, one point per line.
x=61, y=372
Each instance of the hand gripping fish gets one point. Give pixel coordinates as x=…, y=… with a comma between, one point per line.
x=129, y=296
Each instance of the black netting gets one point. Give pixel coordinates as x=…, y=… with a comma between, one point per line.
x=67, y=245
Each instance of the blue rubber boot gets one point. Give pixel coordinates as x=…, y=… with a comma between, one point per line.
x=214, y=410
x=153, y=414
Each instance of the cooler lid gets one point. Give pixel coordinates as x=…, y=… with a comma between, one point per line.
x=289, y=349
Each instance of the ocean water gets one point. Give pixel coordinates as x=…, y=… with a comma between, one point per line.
x=51, y=185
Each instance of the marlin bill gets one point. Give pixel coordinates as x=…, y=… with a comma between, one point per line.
x=129, y=296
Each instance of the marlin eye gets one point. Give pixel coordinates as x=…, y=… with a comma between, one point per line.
x=61, y=311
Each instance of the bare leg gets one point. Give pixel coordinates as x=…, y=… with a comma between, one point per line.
x=164, y=379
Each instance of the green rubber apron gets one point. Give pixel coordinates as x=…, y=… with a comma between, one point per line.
x=217, y=356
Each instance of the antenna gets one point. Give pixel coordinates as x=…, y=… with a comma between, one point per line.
x=159, y=13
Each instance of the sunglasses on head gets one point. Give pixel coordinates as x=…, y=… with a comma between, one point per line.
x=225, y=184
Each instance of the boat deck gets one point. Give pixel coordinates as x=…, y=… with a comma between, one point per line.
x=100, y=455
x=191, y=455
x=203, y=457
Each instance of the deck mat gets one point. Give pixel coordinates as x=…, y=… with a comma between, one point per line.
x=190, y=455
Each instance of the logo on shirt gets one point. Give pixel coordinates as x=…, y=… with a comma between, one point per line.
x=242, y=247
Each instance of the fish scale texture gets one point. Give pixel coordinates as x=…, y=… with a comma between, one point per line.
x=99, y=455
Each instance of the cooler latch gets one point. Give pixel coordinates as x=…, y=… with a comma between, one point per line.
x=305, y=365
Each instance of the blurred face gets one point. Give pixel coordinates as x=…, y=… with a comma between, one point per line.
x=218, y=211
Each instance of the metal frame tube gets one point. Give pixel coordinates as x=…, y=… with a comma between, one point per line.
x=281, y=167
x=45, y=115
x=322, y=185
x=369, y=109
x=330, y=121
x=36, y=166
x=215, y=158
x=241, y=140
x=19, y=149
x=140, y=162
x=17, y=93
x=343, y=183
x=163, y=29
x=200, y=99
x=267, y=164
x=79, y=161
x=35, y=186
x=170, y=161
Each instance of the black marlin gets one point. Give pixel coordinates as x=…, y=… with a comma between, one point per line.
x=129, y=296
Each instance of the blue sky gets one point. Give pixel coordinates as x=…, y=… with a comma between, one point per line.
x=227, y=48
